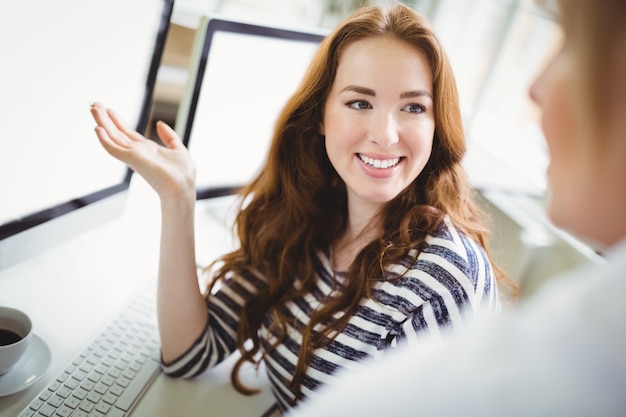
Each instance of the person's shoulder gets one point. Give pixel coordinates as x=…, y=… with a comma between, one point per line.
x=449, y=238
x=444, y=249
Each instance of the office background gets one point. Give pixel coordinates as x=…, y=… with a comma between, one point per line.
x=73, y=289
x=495, y=46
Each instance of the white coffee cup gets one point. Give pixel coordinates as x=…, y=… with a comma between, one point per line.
x=15, y=335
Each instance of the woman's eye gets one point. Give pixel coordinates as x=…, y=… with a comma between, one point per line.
x=415, y=108
x=359, y=105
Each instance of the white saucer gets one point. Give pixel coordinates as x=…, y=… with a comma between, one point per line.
x=31, y=366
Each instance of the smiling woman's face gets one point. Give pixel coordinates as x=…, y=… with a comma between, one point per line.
x=379, y=118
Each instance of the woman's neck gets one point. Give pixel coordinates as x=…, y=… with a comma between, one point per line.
x=361, y=228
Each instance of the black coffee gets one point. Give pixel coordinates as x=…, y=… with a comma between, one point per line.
x=8, y=337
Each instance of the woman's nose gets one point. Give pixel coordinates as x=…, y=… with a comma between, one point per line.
x=542, y=80
x=384, y=131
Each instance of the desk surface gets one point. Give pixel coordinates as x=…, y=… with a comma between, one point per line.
x=74, y=290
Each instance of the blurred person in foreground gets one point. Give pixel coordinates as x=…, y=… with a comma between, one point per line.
x=563, y=351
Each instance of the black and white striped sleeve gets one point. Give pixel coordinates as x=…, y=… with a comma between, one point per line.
x=218, y=340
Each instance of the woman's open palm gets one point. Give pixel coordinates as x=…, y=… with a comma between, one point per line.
x=168, y=169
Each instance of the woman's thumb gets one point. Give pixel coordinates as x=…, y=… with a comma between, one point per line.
x=168, y=136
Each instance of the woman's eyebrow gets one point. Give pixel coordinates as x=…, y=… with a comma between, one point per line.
x=360, y=90
x=416, y=93
x=370, y=92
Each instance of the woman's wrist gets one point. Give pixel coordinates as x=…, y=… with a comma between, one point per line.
x=179, y=202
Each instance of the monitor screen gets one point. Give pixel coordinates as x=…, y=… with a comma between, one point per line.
x=245, y=76
x=57, y=57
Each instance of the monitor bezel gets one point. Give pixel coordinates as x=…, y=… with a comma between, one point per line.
x=218, y=24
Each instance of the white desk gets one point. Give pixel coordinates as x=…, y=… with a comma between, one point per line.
x=74, y=290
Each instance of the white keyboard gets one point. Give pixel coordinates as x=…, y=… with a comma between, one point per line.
x=110, y=375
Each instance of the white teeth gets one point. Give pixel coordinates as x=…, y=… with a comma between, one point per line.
x=379, y=163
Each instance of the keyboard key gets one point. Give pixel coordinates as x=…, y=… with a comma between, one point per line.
x=87, y=385
x=116, y=412
x=100, y=388
x=36, y=404
x=47, y=410
x=45, y=394
x=64, y=411
x=86, y=406
x=80, y=393
x=71, y=384
x=109, y=398
x=72, y=402
x=103, y=407
x=55, y=401
x=64, y=392
x=94, y=397
x=116, y=390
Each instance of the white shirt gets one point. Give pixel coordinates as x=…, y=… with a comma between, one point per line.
x=560, y=353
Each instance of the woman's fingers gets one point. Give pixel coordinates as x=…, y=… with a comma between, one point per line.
x=122, y=126
x=117, y=138
x=118, y=132
x=168, y=169
x=107, y=131
x=168, y=136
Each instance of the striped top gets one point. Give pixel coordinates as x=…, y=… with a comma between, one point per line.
x=450, y=277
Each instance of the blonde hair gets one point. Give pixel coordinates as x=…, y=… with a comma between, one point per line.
x=591, y=28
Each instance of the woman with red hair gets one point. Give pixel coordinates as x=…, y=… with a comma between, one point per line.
x=360, y=232
x=563, y=351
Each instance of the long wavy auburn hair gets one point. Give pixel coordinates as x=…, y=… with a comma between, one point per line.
x=297, y=205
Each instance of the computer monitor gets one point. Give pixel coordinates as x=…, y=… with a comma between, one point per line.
x=245, y=75
x=56, y=181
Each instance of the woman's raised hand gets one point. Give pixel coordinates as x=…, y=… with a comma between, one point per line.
x=168, y=169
